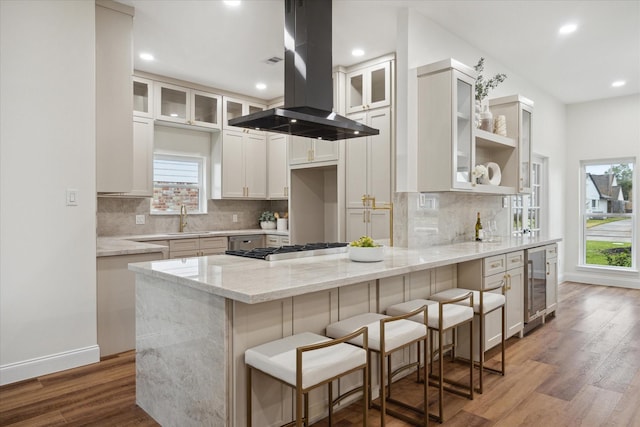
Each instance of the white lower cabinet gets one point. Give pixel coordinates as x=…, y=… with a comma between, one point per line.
x=116, y=301
x=506, y=270
x=184, y=248
x=244, y=165
x=514, y=293
x=275, y=241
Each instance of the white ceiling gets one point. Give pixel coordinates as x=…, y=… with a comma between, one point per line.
x=212, y=44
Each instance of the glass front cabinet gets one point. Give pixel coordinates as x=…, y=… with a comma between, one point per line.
x=518, y=112
x=445, y=126
x=142, y=97
x=369, y=88
x=187, y=106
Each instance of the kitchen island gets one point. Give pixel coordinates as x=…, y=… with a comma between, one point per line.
x=195, y=317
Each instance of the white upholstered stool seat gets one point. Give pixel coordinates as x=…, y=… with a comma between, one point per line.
x=453, y=314
x=386, y=335
x=484, y=302
x=442, y=316
x=305, y=361
x=490, y=301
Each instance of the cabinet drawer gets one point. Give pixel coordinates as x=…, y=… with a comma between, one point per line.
x=285, y=240
x=494, y=264
x=184, y=254
x=493, y=281
x=552, y=251
x=183, y=245
x=212, y=251
x=213, y=243
x=273, y=241
x=515, y=260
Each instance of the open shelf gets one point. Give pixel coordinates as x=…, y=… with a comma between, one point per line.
x=486, y=139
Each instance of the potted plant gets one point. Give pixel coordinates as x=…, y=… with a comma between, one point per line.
x=365, y=250
x=267, y=220
x=484, y=118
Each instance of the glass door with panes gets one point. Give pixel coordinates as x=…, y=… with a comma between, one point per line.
x=527, y=209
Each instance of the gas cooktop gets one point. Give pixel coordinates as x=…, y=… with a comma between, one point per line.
x=292, y=251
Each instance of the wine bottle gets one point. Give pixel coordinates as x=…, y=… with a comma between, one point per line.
x=479, y=233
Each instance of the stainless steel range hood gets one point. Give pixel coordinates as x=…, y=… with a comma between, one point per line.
x=308, y=91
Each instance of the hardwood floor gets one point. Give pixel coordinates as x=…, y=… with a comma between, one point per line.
x=582, y=368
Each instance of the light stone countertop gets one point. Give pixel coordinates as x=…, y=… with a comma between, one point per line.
x=253, y=281
x=135, y=244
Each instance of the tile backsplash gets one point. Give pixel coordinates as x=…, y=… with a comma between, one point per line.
x=443, y=218
x=117, y=216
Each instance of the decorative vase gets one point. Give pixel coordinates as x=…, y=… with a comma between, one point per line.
x=486, y=119
x=268, y=225
x=478, y=110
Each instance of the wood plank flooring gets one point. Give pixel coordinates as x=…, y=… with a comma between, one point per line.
x=582, y=368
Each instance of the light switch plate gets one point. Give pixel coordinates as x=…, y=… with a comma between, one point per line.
x=140, y=219
x=72, y=197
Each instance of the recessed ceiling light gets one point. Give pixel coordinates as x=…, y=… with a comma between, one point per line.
x=294, y=121
x=568, y=29
x=146, y=56
x=261, y=86
x=618, y=83
x=232, y=3
x=357, y=52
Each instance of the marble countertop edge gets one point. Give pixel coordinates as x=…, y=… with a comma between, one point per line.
x=234, y=278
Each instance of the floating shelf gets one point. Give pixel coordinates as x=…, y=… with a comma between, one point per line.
x=486, y=139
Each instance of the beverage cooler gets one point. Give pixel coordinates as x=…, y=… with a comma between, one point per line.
x=535, y=296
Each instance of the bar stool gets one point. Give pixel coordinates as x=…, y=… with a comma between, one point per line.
x=448, y=316
x=305, y=361
x=388, y=334
x=485, y=302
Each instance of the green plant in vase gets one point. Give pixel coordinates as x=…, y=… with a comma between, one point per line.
x=484, y=118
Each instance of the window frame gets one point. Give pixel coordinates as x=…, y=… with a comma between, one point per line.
x=202, y=181
x=585, y=205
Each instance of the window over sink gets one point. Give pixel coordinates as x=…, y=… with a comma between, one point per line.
x=178, y=180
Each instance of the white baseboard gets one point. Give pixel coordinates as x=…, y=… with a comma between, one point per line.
x=32, y=368
x=621, y=282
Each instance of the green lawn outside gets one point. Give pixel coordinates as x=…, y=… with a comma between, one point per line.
x=594, y=254
x=594, y=222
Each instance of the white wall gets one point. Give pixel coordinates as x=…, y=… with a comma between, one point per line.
x=47, y=144
x=421, y=41
x=597, y=130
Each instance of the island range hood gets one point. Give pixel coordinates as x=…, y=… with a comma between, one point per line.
x=308, y=91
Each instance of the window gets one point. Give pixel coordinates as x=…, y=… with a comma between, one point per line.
x=527, y=209
x=178, y=180
x=608, y=217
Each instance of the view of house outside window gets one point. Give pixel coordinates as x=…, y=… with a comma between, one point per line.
x=178, y=180
x=608, y=214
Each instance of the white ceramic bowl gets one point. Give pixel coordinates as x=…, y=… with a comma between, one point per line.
x=361, y=254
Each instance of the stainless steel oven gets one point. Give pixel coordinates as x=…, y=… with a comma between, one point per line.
x=535, y=296
x=246, y=242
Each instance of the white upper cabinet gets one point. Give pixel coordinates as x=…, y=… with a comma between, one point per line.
x=445, y=126
x=244, y=165
x=369, y=87
x=308, y=151
x=142, y=97
x=518, y=112
x=183, y=105
x=368, y=160
x=277, y=167
x=234, y=108
x=114, y=128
